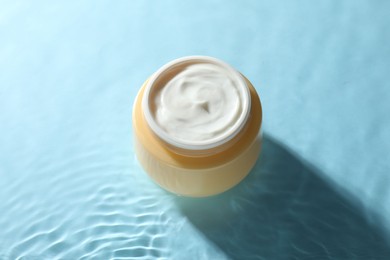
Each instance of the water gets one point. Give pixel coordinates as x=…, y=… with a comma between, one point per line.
x=71, y=187
x=88, y=207
x=84, y=208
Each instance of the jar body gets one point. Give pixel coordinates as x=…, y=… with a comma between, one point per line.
x=198, y=176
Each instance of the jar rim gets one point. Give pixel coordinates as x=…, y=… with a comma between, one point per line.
x=196, y=145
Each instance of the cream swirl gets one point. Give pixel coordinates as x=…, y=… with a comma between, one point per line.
x=201, y=103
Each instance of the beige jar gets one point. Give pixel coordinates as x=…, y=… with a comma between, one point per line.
x=190, y=168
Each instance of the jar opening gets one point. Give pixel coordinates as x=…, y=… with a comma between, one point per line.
x=196, y=103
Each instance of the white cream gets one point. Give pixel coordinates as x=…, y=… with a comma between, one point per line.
x=205, y=102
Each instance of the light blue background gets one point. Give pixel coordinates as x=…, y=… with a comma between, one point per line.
x=70, y=186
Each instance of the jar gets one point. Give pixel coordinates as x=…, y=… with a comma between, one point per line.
x=196, y=168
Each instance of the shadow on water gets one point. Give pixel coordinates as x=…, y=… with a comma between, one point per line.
x=284, y=210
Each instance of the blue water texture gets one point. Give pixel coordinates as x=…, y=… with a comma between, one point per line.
x=71, y=187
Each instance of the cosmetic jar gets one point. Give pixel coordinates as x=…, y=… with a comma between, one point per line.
x=197, y=126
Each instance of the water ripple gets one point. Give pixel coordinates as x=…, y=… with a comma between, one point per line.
x=85, y=212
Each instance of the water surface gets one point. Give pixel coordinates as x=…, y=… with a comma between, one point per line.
x=71, y=187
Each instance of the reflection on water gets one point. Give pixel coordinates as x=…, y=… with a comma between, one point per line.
x=86, y=208
x=284, y=210
x=95, y=206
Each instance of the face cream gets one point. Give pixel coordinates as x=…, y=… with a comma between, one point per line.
x=196, y=123
x=204, y=104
